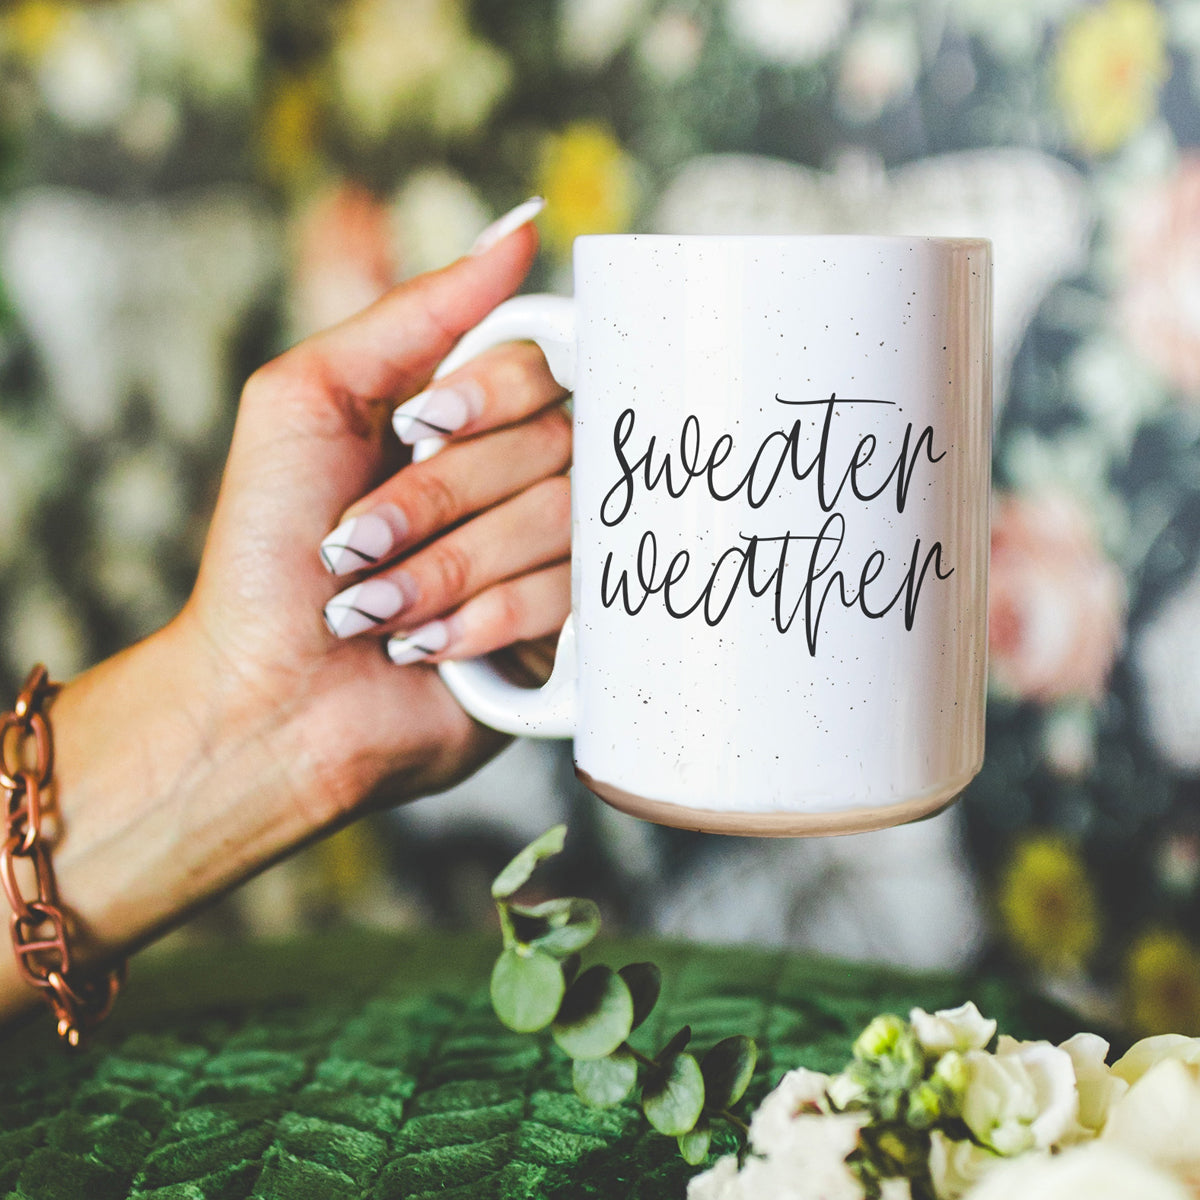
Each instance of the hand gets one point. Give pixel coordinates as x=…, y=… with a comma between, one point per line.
x=457, y=555
x=246, y=726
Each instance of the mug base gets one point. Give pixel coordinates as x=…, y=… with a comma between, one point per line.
x=775, y=824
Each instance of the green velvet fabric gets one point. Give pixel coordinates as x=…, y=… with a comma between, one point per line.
x=372, y=1067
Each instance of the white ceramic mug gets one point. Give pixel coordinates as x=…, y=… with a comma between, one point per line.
x=780, y=528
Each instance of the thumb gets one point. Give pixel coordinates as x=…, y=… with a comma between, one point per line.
x=341, y=384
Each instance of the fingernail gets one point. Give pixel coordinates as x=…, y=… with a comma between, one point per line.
x=512, y=220
x=438, y=412
x=363, y=606
x=363, y=541
x=419, y=645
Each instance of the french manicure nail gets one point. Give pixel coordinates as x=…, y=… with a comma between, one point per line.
x=419, y=645
x=437, y=412
x=361, y=541
x=512, y=220
x=363, y=606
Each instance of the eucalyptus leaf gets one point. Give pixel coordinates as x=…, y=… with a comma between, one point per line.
x=673, y=1096
x=728, y=1068
x=596, y=1014
x=644, y=981
x=694, y=1144
x=517, y=873
x=527, y=989
x=676, y=1044
x=603, y=1082
x=559, y=927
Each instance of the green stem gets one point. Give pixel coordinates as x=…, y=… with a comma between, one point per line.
x=644, y=1059
x=736, y=1122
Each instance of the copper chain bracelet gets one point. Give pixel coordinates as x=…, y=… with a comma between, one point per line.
x=40, y=933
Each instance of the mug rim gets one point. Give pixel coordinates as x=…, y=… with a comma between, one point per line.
x=895, y=240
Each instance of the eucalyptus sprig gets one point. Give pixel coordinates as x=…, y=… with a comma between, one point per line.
x=537, y=982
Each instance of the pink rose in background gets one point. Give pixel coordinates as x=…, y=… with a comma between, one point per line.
x=1055, y=621
x=1159, y=305
x=344, y=256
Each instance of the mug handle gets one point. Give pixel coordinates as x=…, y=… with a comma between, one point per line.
x=547, y=711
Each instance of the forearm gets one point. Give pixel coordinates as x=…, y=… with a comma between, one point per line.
x=164, y=795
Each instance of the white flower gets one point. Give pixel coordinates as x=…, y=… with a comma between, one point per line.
x=1015, y=28
x=43, y=627
x=670, y=48
x=799, y=1091
x=1099, y=1089
x=956, y=1166
x=590, y=32
x=878, y=68
x=1158, y=1119
x=799, y=1153
x=1167, y=657
x=1091, y=1172
x=719, y=1182
x=136, y=500
x=87, y=75
x=435, y=217
x=963, y=1028
x=789, y=32
x=1022, y=1097
x=1145, y=1054
x=408, y=62
x=209, y=45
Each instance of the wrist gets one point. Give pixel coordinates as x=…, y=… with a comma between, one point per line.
x=165, y=794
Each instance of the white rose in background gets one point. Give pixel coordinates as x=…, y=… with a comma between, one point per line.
x=788, y=32
x=42, y=627
x=435, y=216
x=153, y=299
x=963, y=1028
x=416, y=63
x=590, y=32
x=1015, y=28
x=671, y=46
x=1021, y=1098
x=210, y=46
x=87, y=74
x=879, y=67
x=1166, y=656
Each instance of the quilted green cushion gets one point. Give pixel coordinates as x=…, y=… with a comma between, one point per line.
x=370, y=1066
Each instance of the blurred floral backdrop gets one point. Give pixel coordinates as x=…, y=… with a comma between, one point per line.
x=186, y=186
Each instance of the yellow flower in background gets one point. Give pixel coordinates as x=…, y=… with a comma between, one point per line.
x=1047, y=903
x=349, y=863
x=30, y=27
x=291, y=126
x=1162, y=977
x=1110, y=63
x=588, y=182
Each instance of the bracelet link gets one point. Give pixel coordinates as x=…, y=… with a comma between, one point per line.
x=40, y=927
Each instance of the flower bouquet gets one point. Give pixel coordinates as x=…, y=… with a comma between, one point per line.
x=926, y=1109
